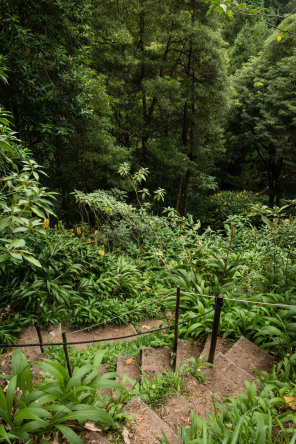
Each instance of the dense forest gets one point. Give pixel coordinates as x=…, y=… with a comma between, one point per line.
x=145, y=145
x=200, y=100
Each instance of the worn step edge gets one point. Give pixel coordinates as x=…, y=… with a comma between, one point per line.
x=244, y=353
x=155, y=360
x=232, y=371
x=131, y=370
x=148, y=424
x=186, y=349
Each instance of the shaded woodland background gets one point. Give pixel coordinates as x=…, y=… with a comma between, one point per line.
x=206, y=103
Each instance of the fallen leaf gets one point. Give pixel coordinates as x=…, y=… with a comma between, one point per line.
x=129, y=361
x=290, y=401
x=91, y=426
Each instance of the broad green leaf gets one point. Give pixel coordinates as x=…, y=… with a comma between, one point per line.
x=5, y=222
x=10, y=395
x=17, y=243
x=33, y=260
x=55, y=369
x=32, y=413
x=21, y=368
x=92, y=414
x=69, y=434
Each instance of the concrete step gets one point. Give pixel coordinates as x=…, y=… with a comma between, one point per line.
x=130, y=366
x=185, y=350
x=148, y=425
x=222, y=346
x=200, y=394
x=227, y=368
x=176, y=412
x=90, y=437
x=29, y=336
x=244, y=353
x=155, y=360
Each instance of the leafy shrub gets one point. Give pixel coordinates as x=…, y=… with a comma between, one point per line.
x=46, y=406
x=229, y=203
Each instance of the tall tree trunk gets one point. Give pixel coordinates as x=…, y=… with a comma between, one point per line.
x=185, y=192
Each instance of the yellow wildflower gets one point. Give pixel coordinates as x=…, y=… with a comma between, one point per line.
x=45, y=223
x=107, y=209
x=89, y=241
x=237, y=196
x=230, y=198
x=212, y=200
x=96, y=233
x=102, y=252
x=217, y=209
x=225, y=203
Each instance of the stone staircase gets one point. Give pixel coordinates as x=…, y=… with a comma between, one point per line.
x=234, y=364
x=232, y=367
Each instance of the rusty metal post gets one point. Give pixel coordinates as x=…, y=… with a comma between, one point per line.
x=38, y=329
x=66, y=353
x=177, y=318
x=218, y=307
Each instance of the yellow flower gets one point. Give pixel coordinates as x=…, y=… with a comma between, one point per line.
x=102, y=252
x=253, y=232
x=78, y=230
x=217, y=209
x=237, y=196
x=230, y=198
x=225, y=203
x=107, y=209
x=89, y=241
x=212, y=200
x=96, y=233
x=244, y=191
x=45, y=223
x=73, y=234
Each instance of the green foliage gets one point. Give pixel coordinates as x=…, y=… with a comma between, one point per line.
x=224, y=204
x=22, y=201
x=112, y=350
x=258, y=415
x=49, y=405
x=261, y=130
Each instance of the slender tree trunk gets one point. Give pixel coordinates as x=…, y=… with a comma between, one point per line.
x=179, y=193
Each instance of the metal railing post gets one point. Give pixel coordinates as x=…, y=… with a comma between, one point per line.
x=66, y=353
x=218, y=307
x=38, y=329
x=177, y=318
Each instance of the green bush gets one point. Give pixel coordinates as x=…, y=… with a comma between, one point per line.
x=229, y=203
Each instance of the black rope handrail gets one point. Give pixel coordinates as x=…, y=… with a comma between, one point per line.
x=106, y=339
